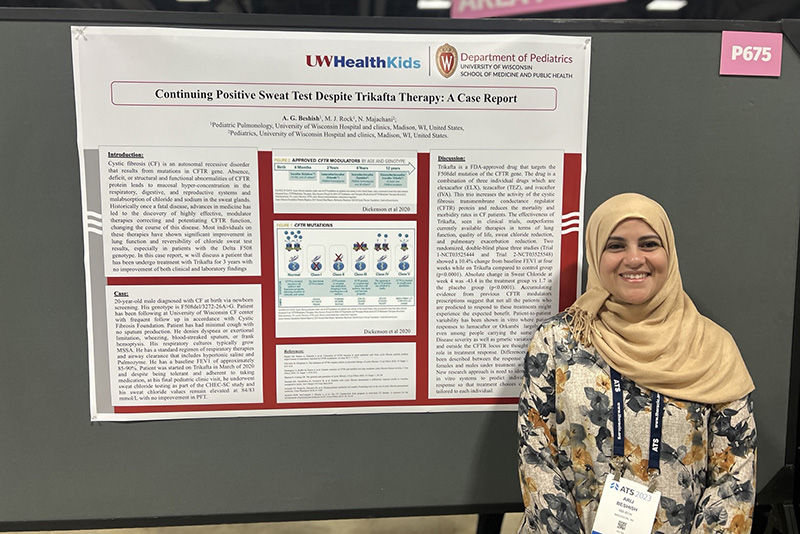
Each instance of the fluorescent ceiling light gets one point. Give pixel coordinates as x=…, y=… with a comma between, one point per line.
x=666, y=5
x=434, y=4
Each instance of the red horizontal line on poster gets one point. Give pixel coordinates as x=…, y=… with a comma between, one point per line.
x=181, y=280
x=344, y=340
x=344, y=217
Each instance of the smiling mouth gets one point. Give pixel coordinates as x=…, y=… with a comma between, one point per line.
x=635, y=276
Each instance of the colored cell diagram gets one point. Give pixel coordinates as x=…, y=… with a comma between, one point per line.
x=382, y=265
x=403, y=241
x=382, y=242
x=292, y=240
x=338, y=264
x=403, y=265
x=357, y=265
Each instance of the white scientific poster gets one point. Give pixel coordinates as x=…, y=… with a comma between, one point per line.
x=284, y=223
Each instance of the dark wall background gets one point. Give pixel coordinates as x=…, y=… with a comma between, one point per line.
x=720, y=153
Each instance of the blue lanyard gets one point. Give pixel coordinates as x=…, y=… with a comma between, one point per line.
x=656, y=421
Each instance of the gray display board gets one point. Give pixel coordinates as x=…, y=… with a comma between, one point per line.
x=720, y=153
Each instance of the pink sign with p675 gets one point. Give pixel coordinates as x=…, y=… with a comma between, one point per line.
x=751, y=53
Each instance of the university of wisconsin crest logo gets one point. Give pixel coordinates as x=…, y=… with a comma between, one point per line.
x=446, y=60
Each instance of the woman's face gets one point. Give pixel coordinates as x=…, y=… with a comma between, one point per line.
x=633, y=265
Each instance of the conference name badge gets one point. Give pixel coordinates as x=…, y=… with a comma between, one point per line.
x=626, y=507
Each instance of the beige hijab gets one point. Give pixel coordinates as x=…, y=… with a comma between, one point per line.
x=663, y=344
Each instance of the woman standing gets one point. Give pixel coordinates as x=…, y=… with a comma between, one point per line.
x=631, y=389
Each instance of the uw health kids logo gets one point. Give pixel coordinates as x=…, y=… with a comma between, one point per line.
x=446, y=60
x=366, y=62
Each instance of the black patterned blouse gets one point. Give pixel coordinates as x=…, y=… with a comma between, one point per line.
x=707, y=457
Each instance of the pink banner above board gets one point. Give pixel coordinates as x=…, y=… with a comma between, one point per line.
x=475, y=9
